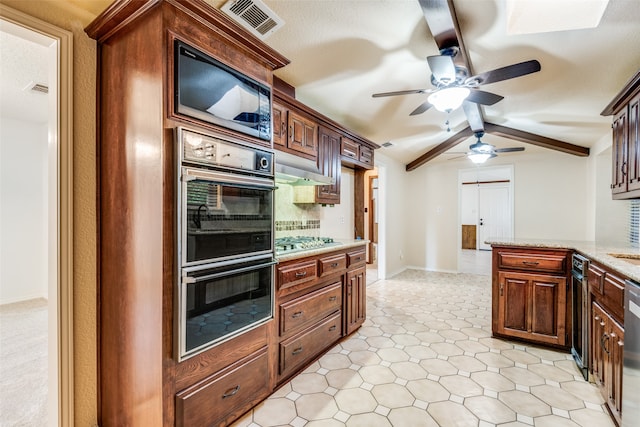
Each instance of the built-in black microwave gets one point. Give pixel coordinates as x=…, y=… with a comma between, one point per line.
x=208, y=90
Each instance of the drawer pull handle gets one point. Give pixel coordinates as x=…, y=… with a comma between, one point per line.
x=334, y=265
x=301, y=273
x=231, y=392
x=358, y=258
x=333, y=298
x=296, y=314
x=333, y=328
x=297, y=351
x=530, y=262
x=597, y=317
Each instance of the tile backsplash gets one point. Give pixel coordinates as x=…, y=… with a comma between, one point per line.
x=297, y=219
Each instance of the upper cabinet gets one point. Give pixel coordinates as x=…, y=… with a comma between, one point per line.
x=294, y=131
x=625, y=108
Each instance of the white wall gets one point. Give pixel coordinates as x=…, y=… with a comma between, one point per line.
x=395, y=206
x=612, y=216
x=23, y=210
x=549, y=200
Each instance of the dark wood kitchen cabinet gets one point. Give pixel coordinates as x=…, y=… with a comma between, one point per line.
x=314, y=300
x=294, y=131
x=606, y=288
x=141, y=381
x=625, y=168
x=356, y=154
x=607, y=348
x=329, y=163
x=529, y=295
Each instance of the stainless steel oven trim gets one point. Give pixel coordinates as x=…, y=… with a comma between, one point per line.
x=581, y=276
x=183, y=354
x=188, y=174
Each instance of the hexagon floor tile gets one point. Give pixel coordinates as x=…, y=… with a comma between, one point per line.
x=425, y=357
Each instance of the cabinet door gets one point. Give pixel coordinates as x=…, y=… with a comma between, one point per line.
x=355, y=299
x=633, y=138
x=303, y=134
x=548, y=309
x=330, y=165
x=614, y=348
x=619, y=153
x=279, y=125
x=532, y=307
x=598, y=328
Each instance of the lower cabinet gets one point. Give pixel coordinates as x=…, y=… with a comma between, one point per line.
x=532, y=307
x=319, y=300
x=530, y=295
x=355, y=300
x=607, y=348
x=225, y=395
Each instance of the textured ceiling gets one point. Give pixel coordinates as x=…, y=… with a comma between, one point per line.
x=343, y=51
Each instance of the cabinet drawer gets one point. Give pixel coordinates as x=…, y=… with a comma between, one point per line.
x=613, y=291
x=366, y=155
x=349, y=148
x=533, y=262
x=356, y=257
x=332, y=264
x=294, y=274
x=308, y=309
x=301, y=348
x=595, y=278
x=226, y=394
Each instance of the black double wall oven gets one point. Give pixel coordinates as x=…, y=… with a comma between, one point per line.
x=225, y=234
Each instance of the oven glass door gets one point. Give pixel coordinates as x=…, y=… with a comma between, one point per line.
x=224, y=216
x=220, y=301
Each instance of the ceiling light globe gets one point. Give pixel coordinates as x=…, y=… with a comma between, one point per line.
x=479, y=157
x=448, y=99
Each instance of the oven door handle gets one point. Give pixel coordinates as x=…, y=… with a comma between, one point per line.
x=190, y=174
x=191, y=279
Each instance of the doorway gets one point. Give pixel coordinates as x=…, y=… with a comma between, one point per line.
x=36, y=217
x=485, y=212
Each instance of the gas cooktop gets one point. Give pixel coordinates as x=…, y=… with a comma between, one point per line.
x=301, y=243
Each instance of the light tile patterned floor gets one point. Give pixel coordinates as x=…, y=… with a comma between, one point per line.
x=425, y=357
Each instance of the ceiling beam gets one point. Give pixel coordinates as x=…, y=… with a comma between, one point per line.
x=533, y=139
x=440, y=148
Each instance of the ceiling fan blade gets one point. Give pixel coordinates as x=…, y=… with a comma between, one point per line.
x=458, y=157
x=400, y=92
x=508, y=150
x=484, y=98
x=506, y=73
x=474, y=116
x=421, y=108
x=442, y=68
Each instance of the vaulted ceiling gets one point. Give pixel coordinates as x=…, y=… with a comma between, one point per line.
x=342, y=52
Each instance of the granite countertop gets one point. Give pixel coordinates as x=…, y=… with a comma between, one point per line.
x=341, y=244
x=600, y=252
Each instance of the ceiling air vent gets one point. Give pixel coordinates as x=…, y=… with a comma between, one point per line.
x=37, y=87
x=253, y=15
x=387, y=144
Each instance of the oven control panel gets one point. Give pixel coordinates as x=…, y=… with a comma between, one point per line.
x=213, y=151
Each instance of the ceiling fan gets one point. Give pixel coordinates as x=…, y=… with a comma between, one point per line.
x=480, y=152
x=453, y=85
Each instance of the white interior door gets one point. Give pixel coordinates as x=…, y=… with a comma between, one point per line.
x=495, y=219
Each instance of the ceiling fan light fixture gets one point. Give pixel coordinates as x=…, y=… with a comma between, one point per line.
x=449, y=98
x=479, y=158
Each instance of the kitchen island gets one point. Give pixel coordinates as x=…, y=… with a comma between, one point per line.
x=536, y=297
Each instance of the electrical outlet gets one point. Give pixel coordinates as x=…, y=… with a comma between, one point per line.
x=401, y=255
x=341, y=220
